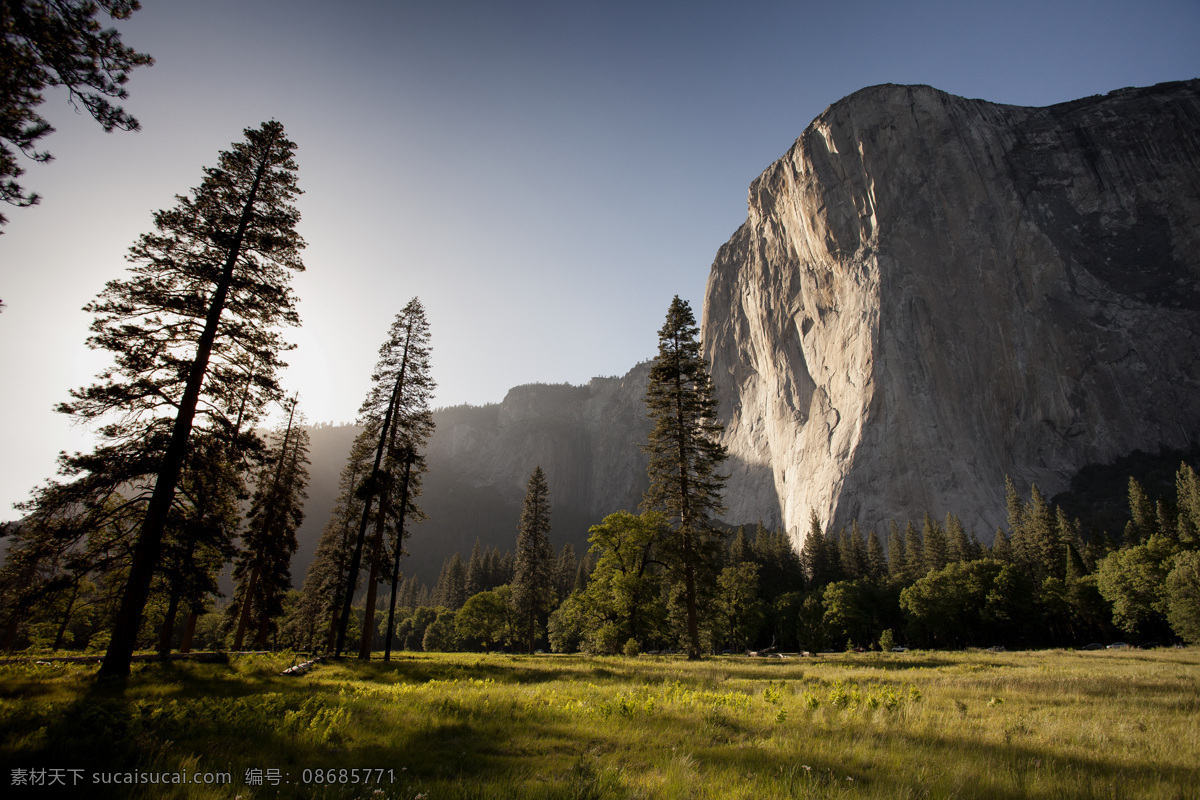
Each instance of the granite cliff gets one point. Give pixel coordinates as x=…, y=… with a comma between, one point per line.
x=930, y=293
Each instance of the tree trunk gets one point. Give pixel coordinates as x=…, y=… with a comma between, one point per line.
x=168, y=626
x=149, y=544
x=264, y=630
x=352, y=578
x=387, y=651
x=189, y=632
x=689, y=578
x=239, y=638
x=368, y=626
x=62, y=629
x=10, y=635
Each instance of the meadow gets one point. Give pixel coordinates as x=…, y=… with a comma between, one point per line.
x=973, y=724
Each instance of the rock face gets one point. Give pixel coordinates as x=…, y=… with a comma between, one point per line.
x=931, y=293
x=585, y=438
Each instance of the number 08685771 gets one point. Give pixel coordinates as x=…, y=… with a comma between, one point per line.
x=347, y=776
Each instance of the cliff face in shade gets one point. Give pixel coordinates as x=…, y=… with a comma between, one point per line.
x=931, y=292
x=586, y=438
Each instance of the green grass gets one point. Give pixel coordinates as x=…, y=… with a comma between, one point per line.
x=1050, y=724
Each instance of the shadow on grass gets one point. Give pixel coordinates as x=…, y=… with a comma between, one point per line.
x=955, y=767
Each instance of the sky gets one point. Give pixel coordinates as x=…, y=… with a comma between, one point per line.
x=545, y=176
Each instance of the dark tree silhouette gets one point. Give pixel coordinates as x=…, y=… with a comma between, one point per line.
x=193, y=332
x=58, y=43
x=397, y=410
x=269, y=541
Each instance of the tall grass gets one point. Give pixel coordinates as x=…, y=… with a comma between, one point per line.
x=970, y=725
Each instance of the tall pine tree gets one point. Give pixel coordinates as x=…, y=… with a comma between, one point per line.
x=397, y=409
x=532, y=580
x=685, y=455
x=193, y=333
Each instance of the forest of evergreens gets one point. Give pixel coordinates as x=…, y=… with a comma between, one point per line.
x=1039, y=584
x=125, y=548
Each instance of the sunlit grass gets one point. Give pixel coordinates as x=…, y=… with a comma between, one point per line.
x=1009, y=725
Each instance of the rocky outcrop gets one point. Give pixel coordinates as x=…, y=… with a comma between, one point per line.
x=930, y=293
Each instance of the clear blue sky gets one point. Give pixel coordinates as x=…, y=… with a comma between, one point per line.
x=543, y=175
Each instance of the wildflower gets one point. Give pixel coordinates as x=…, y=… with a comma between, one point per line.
x=807, y=768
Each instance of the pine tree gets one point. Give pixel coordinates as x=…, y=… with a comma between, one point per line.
x=477, y=572
x=583, y=574
x=780, y=569
x=848, y=563
x=397, y=410
x=451, y=591
x=1016, y=508
x=1145, y=520
x=532, y=579
x=876, y=560
x=193, y=334
x=491, y=569
x=858, y=549
x=1001, y=548
x=739, y=548
x=814, y=554
x=58, y=43
x=1045, y=551
x=914, y=550
x=895, y=552
x=408, y=462
x=263, y=569
x=937, y=554
x=1019, y=537
x=685, y=455
x=1187, y=492
x=564, y=572
x=957, y=543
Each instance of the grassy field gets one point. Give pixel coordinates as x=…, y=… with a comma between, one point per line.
x=1050, y=724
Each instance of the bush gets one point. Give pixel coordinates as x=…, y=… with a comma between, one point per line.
x=631, y=648
x=1183, y=596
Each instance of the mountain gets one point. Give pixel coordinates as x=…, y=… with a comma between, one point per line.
x=930, y=293
x=586, y=438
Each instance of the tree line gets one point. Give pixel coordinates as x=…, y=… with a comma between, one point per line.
x=1040, y=583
